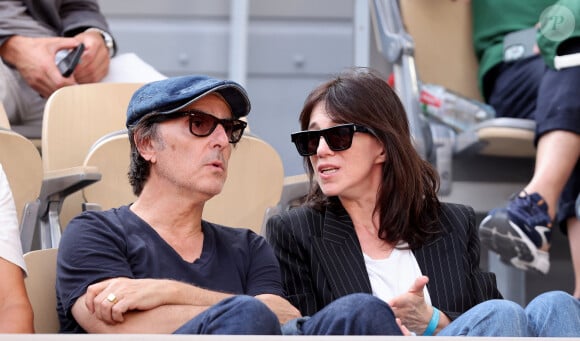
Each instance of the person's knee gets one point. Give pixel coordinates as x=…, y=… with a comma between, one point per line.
x=251, y=305
x=554, y=313
x=354, y=314
x=254, y=311
x=556, y=300
x=505, y=310
x=361, y=304
x=234, y=315
x=495, y=317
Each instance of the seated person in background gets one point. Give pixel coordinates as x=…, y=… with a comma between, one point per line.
x=530, y=87
x=372, y=223
x=155, y=266
x=15, y=310
x=32, y=32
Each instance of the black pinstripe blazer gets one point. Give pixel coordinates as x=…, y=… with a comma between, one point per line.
x=321, y=259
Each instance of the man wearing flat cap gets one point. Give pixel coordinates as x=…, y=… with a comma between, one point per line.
x=155, y=266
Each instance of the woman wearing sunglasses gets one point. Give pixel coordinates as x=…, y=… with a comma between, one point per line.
x=372, y=223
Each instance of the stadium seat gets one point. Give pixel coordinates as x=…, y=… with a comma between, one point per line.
x=40, y=285
x=23, y=167
x=294, y=191
x=74, y=118
x=110, y=155
x=255, y=180
x=453, y=64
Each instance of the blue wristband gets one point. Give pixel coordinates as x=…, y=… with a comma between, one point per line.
x=432, y=323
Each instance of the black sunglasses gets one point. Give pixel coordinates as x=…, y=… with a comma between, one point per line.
x=337, y=138
x=202, y=124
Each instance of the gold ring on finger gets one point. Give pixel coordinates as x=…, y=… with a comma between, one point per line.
x=112, y=298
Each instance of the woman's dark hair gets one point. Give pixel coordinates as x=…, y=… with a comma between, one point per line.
x=407, y=198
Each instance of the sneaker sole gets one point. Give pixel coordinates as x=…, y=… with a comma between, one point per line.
x=512, y=245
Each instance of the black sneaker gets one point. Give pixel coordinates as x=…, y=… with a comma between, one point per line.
x=520, y=233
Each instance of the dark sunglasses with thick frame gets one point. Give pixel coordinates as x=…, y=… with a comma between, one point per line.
x=202, y=124
x=337, y=138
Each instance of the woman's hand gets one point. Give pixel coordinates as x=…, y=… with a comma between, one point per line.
x=411, y=307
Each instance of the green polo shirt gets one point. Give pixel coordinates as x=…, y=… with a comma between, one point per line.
x=492, y=19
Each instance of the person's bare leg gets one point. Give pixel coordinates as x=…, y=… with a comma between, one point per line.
x=519, y=233
x=557, y=154
x=574, y=240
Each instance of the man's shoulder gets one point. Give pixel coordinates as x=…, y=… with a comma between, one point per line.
x=228, y=233
x=111, y=219
x=222, y=229
x=234, y=238
x=113, y=213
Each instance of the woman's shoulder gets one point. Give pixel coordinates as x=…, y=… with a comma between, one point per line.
x=301, y=213
x=455, y=208
x=302, y=220
x=455, y=216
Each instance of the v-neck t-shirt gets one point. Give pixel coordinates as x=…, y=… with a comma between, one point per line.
x=117, y=243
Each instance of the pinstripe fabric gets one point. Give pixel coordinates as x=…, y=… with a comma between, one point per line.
x=321, y=259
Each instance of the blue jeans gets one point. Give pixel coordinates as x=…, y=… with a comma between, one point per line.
x=354, y=314
x=553, y=313
x=238, y=315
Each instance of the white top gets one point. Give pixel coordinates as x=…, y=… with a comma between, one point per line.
x=10, y=245
x=394, y=275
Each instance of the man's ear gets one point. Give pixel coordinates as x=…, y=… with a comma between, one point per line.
x=145, y=147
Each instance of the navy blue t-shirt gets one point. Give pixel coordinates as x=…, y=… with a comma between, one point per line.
x=117, y=243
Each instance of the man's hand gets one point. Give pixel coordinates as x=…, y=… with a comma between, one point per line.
x=141, y=305
x=34, y=60
x=281, y=307
x=94, y=64
x=411, y=307
x=130, y=294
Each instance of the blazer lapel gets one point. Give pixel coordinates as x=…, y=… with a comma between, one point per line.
x=339, y=246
